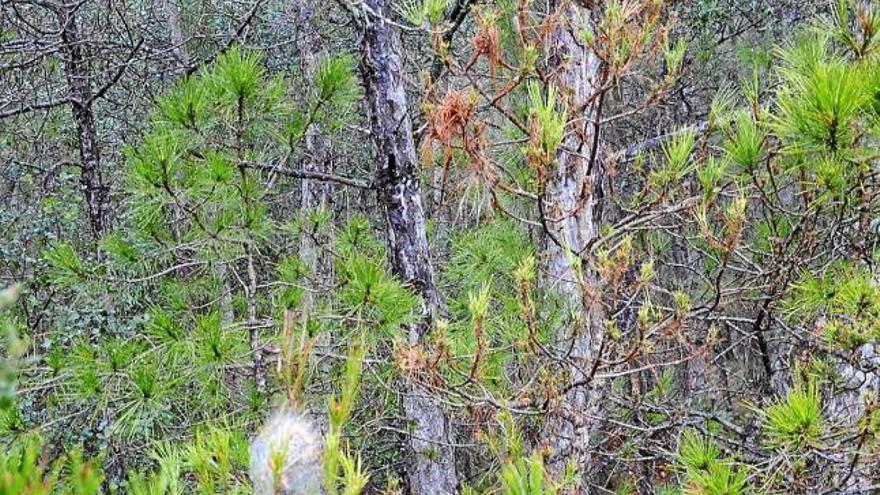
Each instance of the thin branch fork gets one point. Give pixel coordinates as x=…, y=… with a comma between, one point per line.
x=27, y=108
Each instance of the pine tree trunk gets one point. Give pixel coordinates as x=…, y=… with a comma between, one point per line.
x=79, y=88
x=432, y=468
x=175, y=35
x=315, y=193
x=570, y=212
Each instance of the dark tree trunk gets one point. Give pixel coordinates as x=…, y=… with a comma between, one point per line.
x=432, y=468
x=80, y=93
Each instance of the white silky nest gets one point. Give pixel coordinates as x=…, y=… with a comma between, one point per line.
x=286, y=457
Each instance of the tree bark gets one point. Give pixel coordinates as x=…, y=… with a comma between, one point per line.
x=80, y=93
x=315, y=193
x=859, y=384
x=570, y=215
x=432, y=468
x=175, y=35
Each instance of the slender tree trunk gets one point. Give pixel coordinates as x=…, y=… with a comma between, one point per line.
x=179, y=67
x=253, y=331
x=315, y=193
x=570, y=211
x=80, y=92
x=175, y=35
x=432, y=468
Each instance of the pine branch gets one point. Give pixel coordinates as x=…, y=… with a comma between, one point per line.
x=629, y=154
x=23, y=109
x=308, y=174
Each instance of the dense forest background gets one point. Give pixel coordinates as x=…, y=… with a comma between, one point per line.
x=439, y=246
